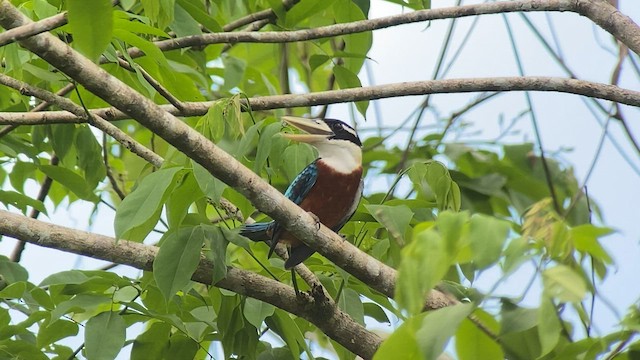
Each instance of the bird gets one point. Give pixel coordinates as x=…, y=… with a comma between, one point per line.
x=330, y=187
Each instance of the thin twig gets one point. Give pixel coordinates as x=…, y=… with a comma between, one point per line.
x=446, y=86
x=153, y=82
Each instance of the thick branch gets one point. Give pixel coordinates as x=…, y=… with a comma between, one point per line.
x=330, y=319
x=608, y=17
x=599, y=11
x=533, y=83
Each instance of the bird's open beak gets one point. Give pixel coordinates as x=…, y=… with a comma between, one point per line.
x=316, y=130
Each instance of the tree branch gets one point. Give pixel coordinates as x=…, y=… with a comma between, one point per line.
x=498, y=84
x=321, y=312
x=34, y=28
x=599, y=11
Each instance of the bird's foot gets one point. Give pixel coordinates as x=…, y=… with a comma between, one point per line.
x=316, y=219
x=294, y=282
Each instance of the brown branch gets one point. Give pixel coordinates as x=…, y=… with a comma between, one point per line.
x=599, y=11
x=321, y=312
x=28, y=30
x=499, y=84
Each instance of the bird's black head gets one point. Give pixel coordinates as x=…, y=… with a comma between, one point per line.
x=342, y=131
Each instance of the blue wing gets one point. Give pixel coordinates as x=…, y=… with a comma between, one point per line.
x=296, y=192
x=301, y=185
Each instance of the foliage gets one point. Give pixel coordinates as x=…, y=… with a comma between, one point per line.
x=454, y=213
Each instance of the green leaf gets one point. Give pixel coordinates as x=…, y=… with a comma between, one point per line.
x=56, y=331
x=487, y=236
x=376, y=312
x=424, y=335
x=151, y=343
x=211, y=186
x=14, y=290
x=104, y=336
x=305, y=10
x=43, y=9
x=234, y=69
x=217, y=238
x=351, y=303
x=177, y=259
x=138, y=213
x=264, y=145
x=62, y=139
x=12, y=271
x=91, y=24
x=255, y=311
x=181, y=199
x=79, y=304
x=450, y=226
x=564, y=284
x=19, y=174
x=424, y=263
x=181, y=347
x=549, y=326
x=123, y=22
x=21, y=201
x=585, y=239
x=70, y=180
x=433, y=183
x=316, y=60
x=395, y=219
x=295, y=158
x=516, y=319
x=183, y=24
x=473, y=343
x=288, y=330
x=347, y=79
x=159, y=11
x=200, y=15
x=146, y=46
x=90, y=156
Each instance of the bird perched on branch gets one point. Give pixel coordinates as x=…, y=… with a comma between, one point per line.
x=330, y=187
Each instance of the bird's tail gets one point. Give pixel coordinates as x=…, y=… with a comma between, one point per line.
x=256, y=231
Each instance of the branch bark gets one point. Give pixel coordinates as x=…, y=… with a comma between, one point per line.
x=321, y=312
x=33, y=28
x=502, y=84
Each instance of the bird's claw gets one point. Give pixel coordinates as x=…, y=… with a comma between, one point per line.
x=316, y=219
